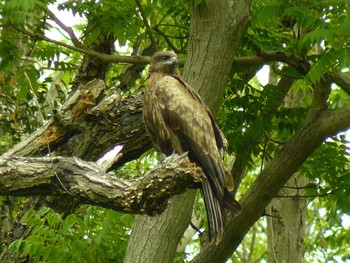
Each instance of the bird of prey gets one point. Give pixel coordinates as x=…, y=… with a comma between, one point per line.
x=177, y=120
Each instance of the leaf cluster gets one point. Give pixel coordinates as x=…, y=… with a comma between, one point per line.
x=91, y=234
x=328, y=169
x=316, y=31
x=254, y=119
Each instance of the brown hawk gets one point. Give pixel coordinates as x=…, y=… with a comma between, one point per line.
x=178, y=121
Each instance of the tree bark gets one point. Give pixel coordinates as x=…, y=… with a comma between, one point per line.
x=74, y=127
x=73, y=132
x=286, y=225
x=150, y=237
x=216, y=30
x=86, y=182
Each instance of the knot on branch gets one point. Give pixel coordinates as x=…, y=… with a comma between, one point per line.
x=172, y=176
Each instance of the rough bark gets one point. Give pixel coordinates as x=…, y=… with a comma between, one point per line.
x=73, y=129
x=152, y=241
x=216, y=30
x=286, y=225
x=86, y=182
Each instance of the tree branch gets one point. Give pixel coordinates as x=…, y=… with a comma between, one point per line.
x=63, y=123
x=73, y=129
x=82, y=49
x=317, y=127
x=85, y=181
x=166, y=38
x=145, y=22
x=341, y=79
x=67, y=29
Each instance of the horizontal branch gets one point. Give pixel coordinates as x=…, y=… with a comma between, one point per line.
x=85, y=50
x=341, y=79
x=86, y=182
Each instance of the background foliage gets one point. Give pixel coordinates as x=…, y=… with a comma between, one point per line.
x=37, y=76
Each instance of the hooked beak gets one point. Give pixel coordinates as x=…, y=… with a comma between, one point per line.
x=172, y=61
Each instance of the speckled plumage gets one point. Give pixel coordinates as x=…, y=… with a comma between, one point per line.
x=178, y=121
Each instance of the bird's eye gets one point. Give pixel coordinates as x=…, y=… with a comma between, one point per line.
x=165, y=57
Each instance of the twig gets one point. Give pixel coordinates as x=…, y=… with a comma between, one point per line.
x=196, y=228
x=101, y=56
x=305, y=196
x=67, y=29
x=145, y=22
x=299, y=187
x=166, y=38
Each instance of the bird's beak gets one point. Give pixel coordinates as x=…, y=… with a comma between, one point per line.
x=172, y=61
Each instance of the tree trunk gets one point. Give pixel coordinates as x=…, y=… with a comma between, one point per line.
x=286, y=225
x=216, y=30
x=155, y=239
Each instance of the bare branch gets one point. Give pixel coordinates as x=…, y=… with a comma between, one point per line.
x=73, y=129
x=342, y=80
x=166, y=38
x=82, y=49
x=62, y=124
x=298, y=63
x=67, y=29
x=29, y=176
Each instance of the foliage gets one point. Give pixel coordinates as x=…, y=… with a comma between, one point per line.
x=92, y=234
x=317, y=31
x=37, y=76
x=327, y=238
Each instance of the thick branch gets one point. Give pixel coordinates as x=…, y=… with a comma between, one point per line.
x=342, y=80
x=74, y=128
x=318, y=126
x=59, y=176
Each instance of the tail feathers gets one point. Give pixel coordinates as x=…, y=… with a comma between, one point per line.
x=231, y=203
x=215, y=210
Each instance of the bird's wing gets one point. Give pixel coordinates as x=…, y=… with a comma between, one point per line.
x=193, y=127
x=190, y=121
x=195, y=95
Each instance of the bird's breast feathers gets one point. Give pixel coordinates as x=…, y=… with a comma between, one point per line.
x=174, y=107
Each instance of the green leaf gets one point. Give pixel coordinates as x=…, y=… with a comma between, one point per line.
x=16, y=245
x=322, y=66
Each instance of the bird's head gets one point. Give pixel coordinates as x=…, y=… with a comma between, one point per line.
x=164, y=62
